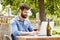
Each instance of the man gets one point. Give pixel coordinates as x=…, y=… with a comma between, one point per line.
x=20, y=25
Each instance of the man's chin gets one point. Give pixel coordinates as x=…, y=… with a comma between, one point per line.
x=24, y=17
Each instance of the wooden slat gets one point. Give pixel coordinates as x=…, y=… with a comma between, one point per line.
x=38, y=37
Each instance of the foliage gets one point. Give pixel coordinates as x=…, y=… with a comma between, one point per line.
x=52, y=8
x=34, y=11
x=16, y=3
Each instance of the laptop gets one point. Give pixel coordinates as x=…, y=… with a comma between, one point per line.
x=43, y=29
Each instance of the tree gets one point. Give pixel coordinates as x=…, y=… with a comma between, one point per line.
x=42, y=14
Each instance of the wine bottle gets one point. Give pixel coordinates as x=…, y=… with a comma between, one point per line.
x=48, y=28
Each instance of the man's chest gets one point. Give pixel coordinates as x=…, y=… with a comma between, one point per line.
x=22, y=26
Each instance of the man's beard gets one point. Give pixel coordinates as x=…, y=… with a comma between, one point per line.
x=23, y=16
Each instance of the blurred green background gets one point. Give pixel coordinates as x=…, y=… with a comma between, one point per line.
x=52, y=9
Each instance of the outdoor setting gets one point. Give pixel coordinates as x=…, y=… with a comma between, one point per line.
x=29, y=19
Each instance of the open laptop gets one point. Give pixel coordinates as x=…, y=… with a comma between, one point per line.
x=43, y=26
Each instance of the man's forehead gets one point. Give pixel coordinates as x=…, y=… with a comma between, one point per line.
x=26, y=10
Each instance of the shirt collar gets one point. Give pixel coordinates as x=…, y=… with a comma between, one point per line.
x=20, y=19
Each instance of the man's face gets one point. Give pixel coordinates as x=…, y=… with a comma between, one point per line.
x=24, y=13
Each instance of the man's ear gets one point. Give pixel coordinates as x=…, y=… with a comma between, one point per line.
x=19, y=12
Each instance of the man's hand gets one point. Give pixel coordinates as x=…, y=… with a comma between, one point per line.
x=34, y=33
x=30, y=33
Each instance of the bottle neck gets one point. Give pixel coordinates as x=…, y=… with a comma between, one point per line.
x=48, y=21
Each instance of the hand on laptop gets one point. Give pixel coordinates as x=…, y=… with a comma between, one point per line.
x=34, y=33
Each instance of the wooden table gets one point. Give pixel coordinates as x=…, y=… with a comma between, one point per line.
x=38, y=37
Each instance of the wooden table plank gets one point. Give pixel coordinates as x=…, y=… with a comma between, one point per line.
x=38, y=37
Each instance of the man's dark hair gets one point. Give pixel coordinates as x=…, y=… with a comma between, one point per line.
x=24, y=6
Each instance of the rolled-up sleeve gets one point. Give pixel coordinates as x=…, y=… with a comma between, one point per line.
x=14, y=29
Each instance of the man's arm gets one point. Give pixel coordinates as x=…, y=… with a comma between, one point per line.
x=30, y=28
x=15, y=31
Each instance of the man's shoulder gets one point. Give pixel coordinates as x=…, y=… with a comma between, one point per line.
x=13, y=20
